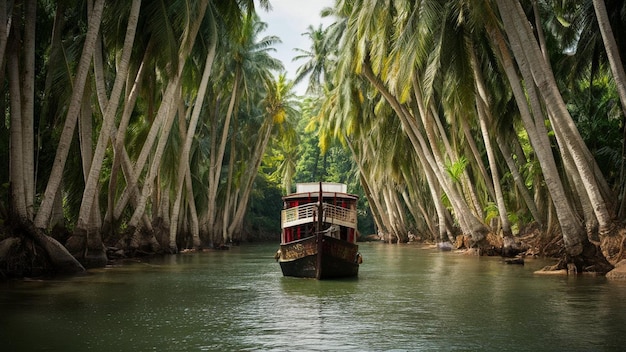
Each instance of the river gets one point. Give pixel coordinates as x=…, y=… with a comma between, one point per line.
x=406, y=298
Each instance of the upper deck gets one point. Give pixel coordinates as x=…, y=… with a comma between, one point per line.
x=301, y=207
x=307, y=213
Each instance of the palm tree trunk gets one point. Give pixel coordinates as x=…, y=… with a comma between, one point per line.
x=95, y=18
x=470, y=224
x=193, y=213
x=183, y=164
x=57, y=217
x=229, y=196
x=208, y=219
x=28, y=104
x=5, y=28
x=85, y=142
x=165, y=114
x=16, y=164
x=562, y=121
x=531, y=64
x=573, y=232
x=493, y=166
x=95, y=254
x=99, y=77
x=120, y=155
x=400, y=211
x=517, y=177
x=483, y=114
x=476, y=154
x=467, y=184
x=251, y=173
x=612, y=51
x=377, y=214
x=108, y=122
x=393, y=215
x=215, y=168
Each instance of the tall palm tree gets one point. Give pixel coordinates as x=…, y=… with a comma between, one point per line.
x=320, y=60
x=278, y=102
x=612, y=51
x=17, y=158
x=45, y=209
x=28, y=105
x=85, y=228
x=249, y=60
x=534, y=69
x=4, y=28
x=183, y=165
x=166, y=114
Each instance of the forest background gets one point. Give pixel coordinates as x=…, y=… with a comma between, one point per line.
x=141, y=127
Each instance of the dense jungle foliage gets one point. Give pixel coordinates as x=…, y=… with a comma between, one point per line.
x=140, y=127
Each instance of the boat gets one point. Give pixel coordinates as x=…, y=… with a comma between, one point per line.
x=319, y=232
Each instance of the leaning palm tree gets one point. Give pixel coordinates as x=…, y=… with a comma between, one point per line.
x=535, y=70
x=43, y=214
x=319, y=58
x=87, y=238
x=612, y=50
x=277, y=110
x=183, y=164
x=278, y=103
x=165, y=115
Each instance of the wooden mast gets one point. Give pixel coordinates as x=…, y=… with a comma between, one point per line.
x=320, y=234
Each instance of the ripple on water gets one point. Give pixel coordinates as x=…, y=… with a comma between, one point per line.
x=404, y=299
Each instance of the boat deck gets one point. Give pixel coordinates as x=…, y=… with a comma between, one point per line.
x=307, y=213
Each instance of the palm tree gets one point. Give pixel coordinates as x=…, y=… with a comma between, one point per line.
x=183, y=165
x=284, y=151
x=85, y=228
x=28, y=105
x=4, y=29
x=484, y=113
x=166, y=115
x=17, y=169
x=320, y=59
x=45, y=209
x=534, y=69
x=612, y=51
x=19, y=54
x=251, y=64
x=278, y=102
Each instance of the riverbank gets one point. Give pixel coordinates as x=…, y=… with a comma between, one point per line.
x=22, y=257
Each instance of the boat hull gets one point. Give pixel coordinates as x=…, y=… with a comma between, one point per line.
x=339, y=258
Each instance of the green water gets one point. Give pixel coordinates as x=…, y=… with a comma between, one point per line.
x=405, y=298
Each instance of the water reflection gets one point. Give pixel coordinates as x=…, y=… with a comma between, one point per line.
x=405, y=298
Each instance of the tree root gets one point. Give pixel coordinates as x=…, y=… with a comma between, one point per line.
x=36, y=254
x=614, y=247
x=591, y=260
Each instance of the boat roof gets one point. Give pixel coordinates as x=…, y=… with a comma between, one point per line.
x=329, y=189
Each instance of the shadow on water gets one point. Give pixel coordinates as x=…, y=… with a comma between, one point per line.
x=315, y=288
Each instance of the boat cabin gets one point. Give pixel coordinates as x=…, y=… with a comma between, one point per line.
x=299, y=216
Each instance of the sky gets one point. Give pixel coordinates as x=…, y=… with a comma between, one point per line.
x=287, y=20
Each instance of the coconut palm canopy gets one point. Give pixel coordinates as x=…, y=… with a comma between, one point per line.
x=143, y=127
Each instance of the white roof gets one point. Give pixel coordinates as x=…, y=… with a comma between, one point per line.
x=326, y=187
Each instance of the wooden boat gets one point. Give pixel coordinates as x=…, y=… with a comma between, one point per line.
x=319, y=232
